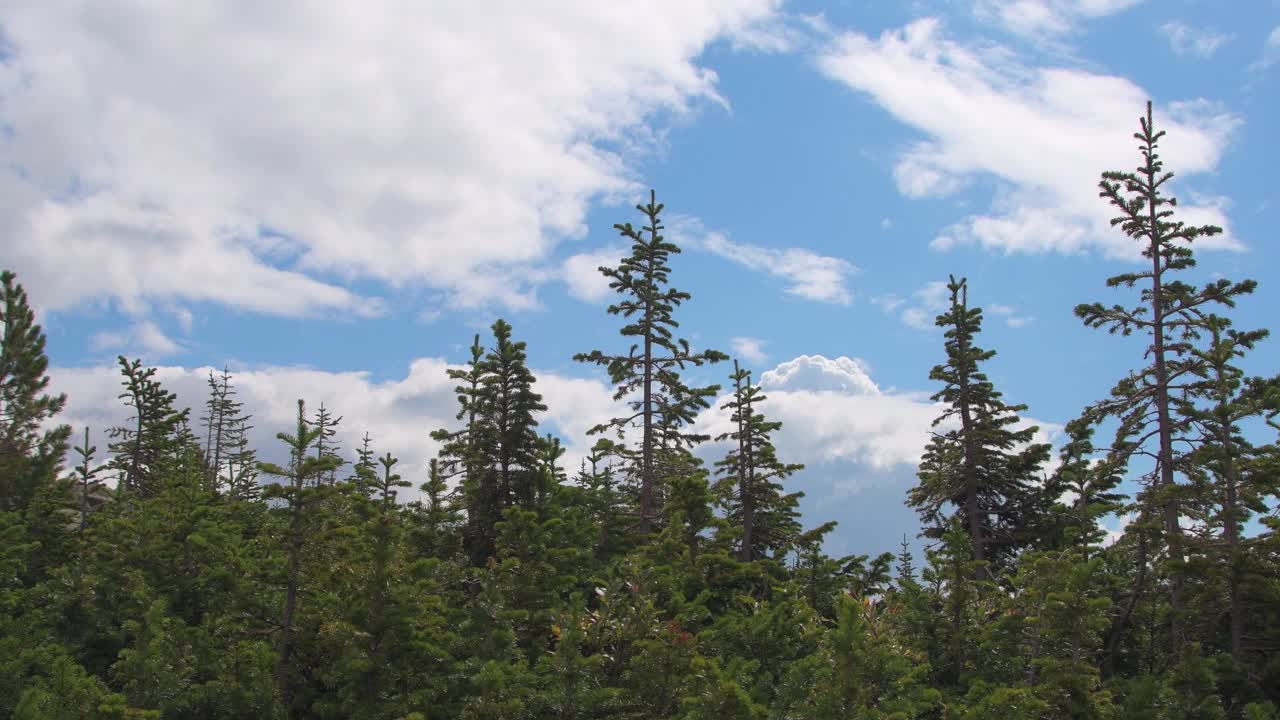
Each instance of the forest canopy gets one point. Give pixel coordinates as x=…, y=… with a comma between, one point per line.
x=174, y=574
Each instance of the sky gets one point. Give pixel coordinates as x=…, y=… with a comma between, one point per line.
x=331, y=199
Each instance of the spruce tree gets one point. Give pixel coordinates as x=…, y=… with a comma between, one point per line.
x=982, y=467
x=1170, y=316
x=750, y=490
x=648, y=375
x=30, y=451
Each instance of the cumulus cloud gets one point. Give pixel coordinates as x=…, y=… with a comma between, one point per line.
x=399, y=414
x=1045, y=134
x=835, y=414
x=1187, y=40
x=266, y=156
x=809, y=275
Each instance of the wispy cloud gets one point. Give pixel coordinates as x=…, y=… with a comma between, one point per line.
x=144, y=337
x=1270, y=50
x=809, y=275
x=749, y=349
x=1044, y=19
x=1200, y=42
x=921, y=309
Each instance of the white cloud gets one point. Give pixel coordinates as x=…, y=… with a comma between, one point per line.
x=265, y=156
x=821, y=278
x=144, y=337
x=833, y=412
x=889, y=302
x=398, y=413
x=184, y=317
x=1270, y=49
x=1011, y=316
x=1041, y=18
x=924, y=306
x=581, y=273
x=749, y=349
x=1186, y=40
x=1045, y=134
x=932, y=299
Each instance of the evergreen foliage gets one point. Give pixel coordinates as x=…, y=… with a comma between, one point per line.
x=29, y=452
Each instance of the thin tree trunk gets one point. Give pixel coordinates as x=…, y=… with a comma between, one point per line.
x=284, y=665
x=646, y=449
x=1121, y=622
x=970, y=468
x=1173, y=530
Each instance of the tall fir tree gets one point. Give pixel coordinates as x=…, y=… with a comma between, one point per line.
x=983, y=467
x=90, y=493
x=461, y=454
x=303, y=485
x=153, y=434
x=1170, y=316
x=509, y=420
x=1227, y=489
x=326, y=445
x=222, y=421
x=30, y=450
x=648, y=375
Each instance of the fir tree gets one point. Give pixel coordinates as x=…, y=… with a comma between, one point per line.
x=437, y=519
x=509, y=420
x=1227, y=487
x=1170, y=316
x=241, y=461
x=461, y=454
x=326, y=445
x=1088, y=485
x=90, y=493
x=302, y=487
x=648, y=375
x=223, y=422
x=983, y=467
x=152, y=437
x=756, y=505
x=550, y=474
x=30, y=451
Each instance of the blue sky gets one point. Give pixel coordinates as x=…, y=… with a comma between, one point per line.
x=333, y=204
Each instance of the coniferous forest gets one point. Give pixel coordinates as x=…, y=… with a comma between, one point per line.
x=172, y=574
